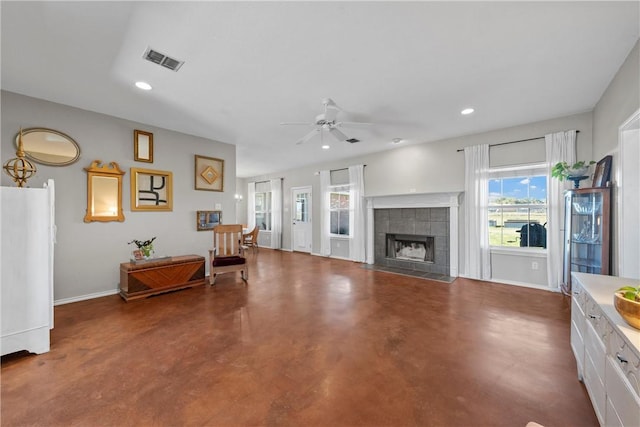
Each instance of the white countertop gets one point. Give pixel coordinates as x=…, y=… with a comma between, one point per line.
x=601, y=288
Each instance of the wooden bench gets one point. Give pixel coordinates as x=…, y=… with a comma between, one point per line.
x=152, y=277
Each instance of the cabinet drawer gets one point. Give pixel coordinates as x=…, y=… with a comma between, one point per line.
x=611, y=416
x=595, y=318
x=595, y=350
x=578, y=317
x=626, y=360
x=595, y=387
x=621, y=397
x=577, y=344
x=578, y=296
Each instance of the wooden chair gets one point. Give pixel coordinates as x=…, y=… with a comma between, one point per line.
x=227, y=254
x=250, y=240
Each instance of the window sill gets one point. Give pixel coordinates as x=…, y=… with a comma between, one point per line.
x=339, y=237
x=524, y=251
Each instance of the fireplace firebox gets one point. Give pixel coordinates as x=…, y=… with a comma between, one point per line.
x=410, y=247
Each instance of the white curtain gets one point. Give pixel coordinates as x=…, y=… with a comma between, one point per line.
x=357, y=219
x=325, y=216
x=560, y=147
x=251, y=205
x=476, y=200
x=276, y=213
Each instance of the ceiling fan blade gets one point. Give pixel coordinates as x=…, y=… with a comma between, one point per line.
x=338, y=135
x=307, y=136
x=354, y=124
x=297, y=123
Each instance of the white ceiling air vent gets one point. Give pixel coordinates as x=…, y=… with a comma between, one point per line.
x=162, y=59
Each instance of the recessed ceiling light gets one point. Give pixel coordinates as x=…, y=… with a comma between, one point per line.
x=467, y=111
x=326, y=147
x=396, y=140
x=143, y=85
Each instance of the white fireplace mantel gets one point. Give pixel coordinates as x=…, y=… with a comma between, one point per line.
x=418, y=200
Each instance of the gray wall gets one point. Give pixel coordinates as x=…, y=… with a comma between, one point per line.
x=430, y=168
x=87, y=255
x=620, y=100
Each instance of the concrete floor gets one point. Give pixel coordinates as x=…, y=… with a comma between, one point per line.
x=309, y=341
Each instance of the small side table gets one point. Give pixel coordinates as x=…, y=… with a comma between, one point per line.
x=146, y=278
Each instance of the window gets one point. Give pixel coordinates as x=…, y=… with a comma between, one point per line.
x=518, y=207
x=302, y=207
x=339, y=210
x=263, y=210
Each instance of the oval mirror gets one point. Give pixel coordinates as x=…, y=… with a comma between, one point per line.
x=49, y=147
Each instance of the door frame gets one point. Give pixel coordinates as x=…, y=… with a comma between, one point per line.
x=293, y=204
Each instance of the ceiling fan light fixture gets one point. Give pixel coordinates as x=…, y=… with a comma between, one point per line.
x=143, y=85
x=326, y=146
x=467, y=111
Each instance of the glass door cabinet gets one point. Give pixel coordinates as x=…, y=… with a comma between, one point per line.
x=586, y=232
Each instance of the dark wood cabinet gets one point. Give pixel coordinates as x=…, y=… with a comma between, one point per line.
x=587, y=232
x=139, y=280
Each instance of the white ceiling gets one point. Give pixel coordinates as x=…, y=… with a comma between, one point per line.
x=407, y=67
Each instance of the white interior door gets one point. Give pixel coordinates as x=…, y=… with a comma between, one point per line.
x=301, y=219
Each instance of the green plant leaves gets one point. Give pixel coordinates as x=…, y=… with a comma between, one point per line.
x=630, y=293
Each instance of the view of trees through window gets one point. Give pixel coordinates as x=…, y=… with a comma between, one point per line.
x=339, y=211
x=263, y=210
x=514, y=203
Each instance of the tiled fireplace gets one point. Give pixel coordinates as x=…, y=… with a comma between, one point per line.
x=415, y=232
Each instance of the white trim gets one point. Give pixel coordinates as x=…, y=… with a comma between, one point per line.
x=524, y=251
x=620, y=190
x=86, y=297
x=340, y=258
x=525, y=285
x=514, y=283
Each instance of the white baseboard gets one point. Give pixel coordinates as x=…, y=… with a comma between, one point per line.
x=85, y=297
x=521, y=284
x=331, y=256
x=339, y=257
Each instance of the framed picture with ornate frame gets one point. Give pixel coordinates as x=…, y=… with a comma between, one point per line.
x=151, y=190
x=209, y=173
x=602, y=175
x=142, y=146
x=206, y=220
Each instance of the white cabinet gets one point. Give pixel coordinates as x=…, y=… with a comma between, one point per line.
x=607, y=349
x=26, y=278
x=578, y=323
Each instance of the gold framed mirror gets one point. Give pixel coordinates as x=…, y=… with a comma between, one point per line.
x=104, y=192
x=49, y=147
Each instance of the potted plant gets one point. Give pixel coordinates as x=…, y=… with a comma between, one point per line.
x=562, y=170
x=627, y=303
x=145, y=246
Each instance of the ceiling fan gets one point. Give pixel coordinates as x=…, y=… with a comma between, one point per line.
x=327, y=122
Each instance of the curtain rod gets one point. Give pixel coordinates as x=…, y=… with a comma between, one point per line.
x=512, y=142
x=341, y=169
x=268, y=180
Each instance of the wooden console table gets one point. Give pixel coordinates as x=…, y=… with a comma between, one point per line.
x=142, y=279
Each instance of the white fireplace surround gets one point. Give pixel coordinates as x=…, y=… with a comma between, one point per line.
x=418, y=200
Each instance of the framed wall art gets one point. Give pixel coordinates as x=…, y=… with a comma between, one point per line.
x=142, y=146
x=209, y=173
x=206, y=220
x=602, y=175
x=151, y=190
